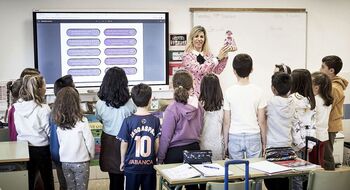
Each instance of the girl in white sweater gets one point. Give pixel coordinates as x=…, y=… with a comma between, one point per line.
x=31, y=119
x=304, y=123
x=77, y=145
x=322, y=88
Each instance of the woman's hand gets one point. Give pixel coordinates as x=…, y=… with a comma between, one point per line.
x=224, y=51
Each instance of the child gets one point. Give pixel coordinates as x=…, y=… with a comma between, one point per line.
x=331, y=66
x=282, y=68
x=29, y=71
x=304, y=102
x=182, y=122
x=322, y=88
x=244, y=113
x=139, y=135
x=77, y=145
x=13, y=88
x=212, y=100
x=113, y=107
x=62, y=82
x=279, y=112
x=304, y=123
x=65, y=81
x=32, y=124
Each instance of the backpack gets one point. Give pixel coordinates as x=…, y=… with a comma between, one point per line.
x=54, y=144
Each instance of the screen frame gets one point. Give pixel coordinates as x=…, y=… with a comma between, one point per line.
x=166, y=14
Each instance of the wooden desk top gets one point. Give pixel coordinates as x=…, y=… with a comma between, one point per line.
x=238, y=173
x=14, y=151
x=237, y=170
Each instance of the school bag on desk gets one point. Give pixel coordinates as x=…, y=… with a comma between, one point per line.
x=197, y=156
x=280, y=154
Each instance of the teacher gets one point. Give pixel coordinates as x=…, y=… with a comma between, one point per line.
x=199, y=61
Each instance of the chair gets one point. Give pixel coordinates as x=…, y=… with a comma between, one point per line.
x=325, y=180
x=246, y=184
x=233, y=185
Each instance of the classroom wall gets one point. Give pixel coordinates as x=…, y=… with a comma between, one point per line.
x=328, y=25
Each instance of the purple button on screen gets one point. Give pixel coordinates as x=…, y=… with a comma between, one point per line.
x=84, y=62
x=120, y=41
x=120, y=51
x=120, y=32
x=83, y=42
x=120, y=61
x=84, y=72
x=83, y=32
x=83, y=52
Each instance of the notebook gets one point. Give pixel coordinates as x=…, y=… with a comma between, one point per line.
x=268, y=167
x=183, y=171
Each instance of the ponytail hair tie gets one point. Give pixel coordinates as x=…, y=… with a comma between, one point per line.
x=180, y=86
x=284, y=68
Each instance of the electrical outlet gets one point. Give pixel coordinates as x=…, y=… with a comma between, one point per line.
x=155, y=104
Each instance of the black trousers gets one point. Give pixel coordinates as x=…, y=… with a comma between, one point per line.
x=277, y=183
x=116, y=181
x=40, y=161
x=145, y=181
x=328, y=152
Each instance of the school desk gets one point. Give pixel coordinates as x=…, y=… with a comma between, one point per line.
x=237, y=170
x=13, y=171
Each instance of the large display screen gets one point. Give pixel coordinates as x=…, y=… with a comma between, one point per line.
x=86, y=44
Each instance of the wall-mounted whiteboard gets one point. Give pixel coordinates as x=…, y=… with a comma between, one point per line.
x=270, y=36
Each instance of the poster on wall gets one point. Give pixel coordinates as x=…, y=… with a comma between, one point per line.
x=174, y=66
x=175, y=55
x=178, y=40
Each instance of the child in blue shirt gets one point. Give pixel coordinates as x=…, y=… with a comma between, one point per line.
x=139, y=137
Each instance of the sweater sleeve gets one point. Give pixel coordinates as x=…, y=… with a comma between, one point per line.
x=45, y=117
x=89, y=139
x=11, y=124
x=220, y=66
x=168, y=129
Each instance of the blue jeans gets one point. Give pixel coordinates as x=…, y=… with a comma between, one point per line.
x=250, y=144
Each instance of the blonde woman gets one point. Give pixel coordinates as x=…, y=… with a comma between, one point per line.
x=198, y=60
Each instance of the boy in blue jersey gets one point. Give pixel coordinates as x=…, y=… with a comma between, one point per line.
x=139, y=137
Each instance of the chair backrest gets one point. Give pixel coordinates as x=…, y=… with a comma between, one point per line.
x=231, y=186
x=325, y=180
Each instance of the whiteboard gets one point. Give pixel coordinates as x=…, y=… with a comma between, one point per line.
x=268, y=37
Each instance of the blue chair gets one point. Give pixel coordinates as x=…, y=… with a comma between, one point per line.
x=246, y=185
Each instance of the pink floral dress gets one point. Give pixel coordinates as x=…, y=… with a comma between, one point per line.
x=211, y=65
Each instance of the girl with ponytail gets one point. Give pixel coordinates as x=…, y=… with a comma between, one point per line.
x=32, y=124
x=183, y=121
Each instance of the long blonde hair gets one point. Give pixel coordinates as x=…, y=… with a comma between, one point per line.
x=195, y=30
x=31, y=88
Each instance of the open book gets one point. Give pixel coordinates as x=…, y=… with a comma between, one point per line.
x=297, y=164
x=183, y=171
x=268, y=167
x=213, y=169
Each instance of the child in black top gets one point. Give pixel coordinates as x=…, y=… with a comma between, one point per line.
x=140, y=140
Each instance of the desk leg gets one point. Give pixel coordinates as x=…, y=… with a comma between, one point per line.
x=290, y=179
x=160, y=183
